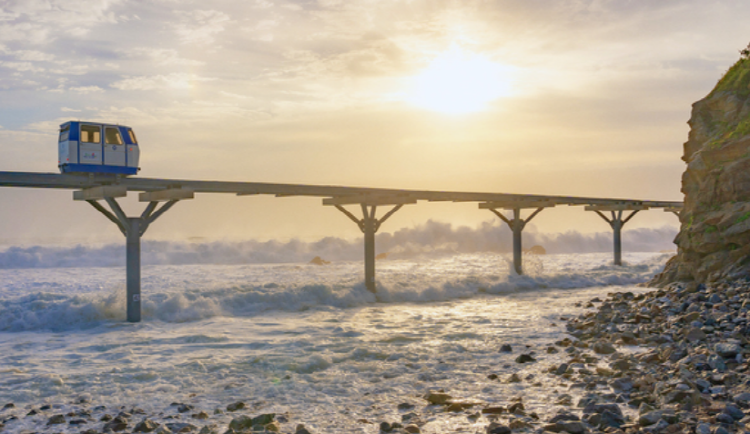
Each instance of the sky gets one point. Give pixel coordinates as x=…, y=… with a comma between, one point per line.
x=580, y=97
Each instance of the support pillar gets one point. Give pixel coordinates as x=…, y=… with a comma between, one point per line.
x=369, y=224
x=369, y=231
x=133, y=228
x=616, y=222
x=133, y=265
x=516, y=224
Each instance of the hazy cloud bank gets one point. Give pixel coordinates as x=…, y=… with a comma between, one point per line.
x=432, y=239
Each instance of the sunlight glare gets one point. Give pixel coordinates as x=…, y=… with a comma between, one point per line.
x=459, y=82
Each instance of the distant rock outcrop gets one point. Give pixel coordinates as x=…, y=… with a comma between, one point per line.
x=714, y=238
x=319, y=261
x=537, y=250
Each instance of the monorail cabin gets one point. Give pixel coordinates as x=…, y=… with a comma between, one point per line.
x=91, y=147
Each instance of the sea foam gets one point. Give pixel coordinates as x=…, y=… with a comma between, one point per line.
x=81, y=298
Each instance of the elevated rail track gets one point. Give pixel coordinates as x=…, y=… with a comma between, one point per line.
x=163, y=194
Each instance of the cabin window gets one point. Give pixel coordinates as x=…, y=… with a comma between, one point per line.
x=64, y=133
x=91, y=134
x=132, y=136
x=112, y=136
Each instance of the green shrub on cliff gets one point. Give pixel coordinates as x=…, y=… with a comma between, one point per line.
x=737, y=78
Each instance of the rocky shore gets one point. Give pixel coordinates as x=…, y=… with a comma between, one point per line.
x=670, y=361
x=673, y=360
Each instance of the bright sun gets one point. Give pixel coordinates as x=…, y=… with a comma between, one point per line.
x=458, y=82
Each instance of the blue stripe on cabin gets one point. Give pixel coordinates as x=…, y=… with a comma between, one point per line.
x=95, y=168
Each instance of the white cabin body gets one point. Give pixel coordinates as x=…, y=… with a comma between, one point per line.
x=91, y=147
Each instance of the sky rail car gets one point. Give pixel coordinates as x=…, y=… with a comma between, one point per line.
x=92, y=147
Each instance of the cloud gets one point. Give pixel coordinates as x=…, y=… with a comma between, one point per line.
x=22, y=66
x=200, y=26
x=39, y=22
x=86, y=89
x=34, y=56
x=163, y=56
x=67, y=109
x=169, y=81
x=233, y=95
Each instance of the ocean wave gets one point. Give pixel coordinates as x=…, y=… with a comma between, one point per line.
x=64, y=311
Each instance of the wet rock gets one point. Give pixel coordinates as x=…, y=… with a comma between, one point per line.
x=200, y=416
x=56, y=419
x=301, y=429
x=146, y=425
x=494, y=410
x=573, y=427
x=727, y=350
x=438, y=398
x=412, y=428
x=724, y=418
x=742, y=398
x=518, y=424
x=622, y=385
x=119, y=423
x=235, y=406
x=514, y=378
x=389, y=427
x=604, y=348
x=9, y=405
x=650, y=418
x=506, y=348
x=76, y=422
x=703, y=428
x=184, y=408
x=608, y=419
x=695, y=335
x=563, y=417
x=456, y=406
x=516, y=408
x=181, y=427
x=525, y=358
x=247, y=423
x=735, y=412
x=620, y=365
x=497, y=428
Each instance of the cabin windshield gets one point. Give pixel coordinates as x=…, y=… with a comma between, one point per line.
x=112, y=136
x=91, y=134
x=132, y=136
x=64, y=133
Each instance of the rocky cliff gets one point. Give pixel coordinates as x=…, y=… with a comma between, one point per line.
x=714, y=238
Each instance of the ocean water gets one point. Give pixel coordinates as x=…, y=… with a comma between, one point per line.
x=306, y=341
